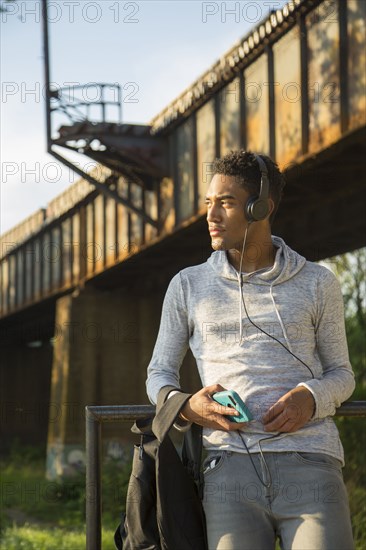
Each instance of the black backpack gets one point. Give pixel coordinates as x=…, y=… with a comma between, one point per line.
x=163, y=507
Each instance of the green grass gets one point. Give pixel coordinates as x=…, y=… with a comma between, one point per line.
x=43, y=515
x=31, y=537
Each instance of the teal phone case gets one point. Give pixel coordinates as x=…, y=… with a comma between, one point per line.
x=230, y=398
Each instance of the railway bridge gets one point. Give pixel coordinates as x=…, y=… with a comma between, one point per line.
x=82, y=280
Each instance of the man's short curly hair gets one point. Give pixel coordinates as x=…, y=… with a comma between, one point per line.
x=243, y=166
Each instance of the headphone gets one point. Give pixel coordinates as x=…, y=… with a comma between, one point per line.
x=257, y=208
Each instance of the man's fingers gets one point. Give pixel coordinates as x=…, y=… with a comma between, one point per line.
x=221, y=409
x=289, y=425
x=286, y=421
x=277, y=424
x=222, y=422
x=273, y=412
x=212, y=389
x=204, y=410
x=291, y=412
x=211, y=407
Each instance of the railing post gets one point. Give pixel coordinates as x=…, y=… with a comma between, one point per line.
x=93, y=491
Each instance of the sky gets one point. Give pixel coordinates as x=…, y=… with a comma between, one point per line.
x=153, y=49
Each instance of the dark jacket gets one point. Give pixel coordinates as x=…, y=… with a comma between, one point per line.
x=163, y=507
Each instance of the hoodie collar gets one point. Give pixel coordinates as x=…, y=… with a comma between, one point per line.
x=287, y=264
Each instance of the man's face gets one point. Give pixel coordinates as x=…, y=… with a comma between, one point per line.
x=226, y=200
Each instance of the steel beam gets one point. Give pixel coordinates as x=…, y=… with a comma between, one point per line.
x=104, y=189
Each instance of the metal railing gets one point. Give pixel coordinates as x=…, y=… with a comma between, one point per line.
x=95, y=417
x=74, y=102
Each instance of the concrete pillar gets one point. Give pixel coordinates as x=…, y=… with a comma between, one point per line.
x=97, y=349
x=102, y=346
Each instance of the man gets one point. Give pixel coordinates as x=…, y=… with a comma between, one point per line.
x=263, y=321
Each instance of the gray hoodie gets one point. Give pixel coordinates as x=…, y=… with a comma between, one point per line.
x=296, y=301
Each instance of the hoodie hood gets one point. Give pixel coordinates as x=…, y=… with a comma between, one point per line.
x=286, y=265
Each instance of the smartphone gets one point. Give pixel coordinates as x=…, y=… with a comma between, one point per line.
x=230, y=398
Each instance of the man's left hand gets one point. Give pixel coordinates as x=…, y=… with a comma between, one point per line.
x=291, y=412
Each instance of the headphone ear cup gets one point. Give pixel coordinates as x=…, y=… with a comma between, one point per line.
x=248, y=209
x=260, y=209
x=256, y=209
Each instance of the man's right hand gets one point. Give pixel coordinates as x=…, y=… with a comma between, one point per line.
x=203, y=410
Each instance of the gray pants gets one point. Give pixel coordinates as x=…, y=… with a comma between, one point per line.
x=305, y=506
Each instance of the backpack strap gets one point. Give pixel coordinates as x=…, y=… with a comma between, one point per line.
x=167, y=410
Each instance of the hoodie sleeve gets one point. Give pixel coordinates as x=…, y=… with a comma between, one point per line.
x=172, y=342
x=337, y=382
